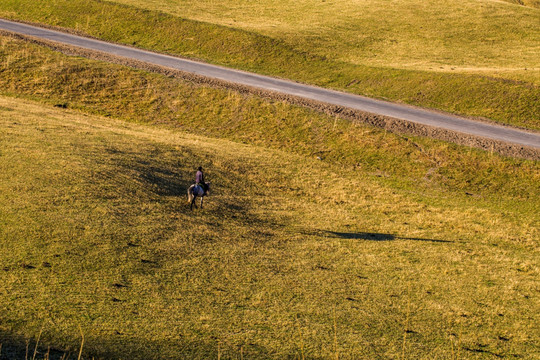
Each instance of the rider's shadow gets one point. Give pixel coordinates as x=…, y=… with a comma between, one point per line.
x=377, y=237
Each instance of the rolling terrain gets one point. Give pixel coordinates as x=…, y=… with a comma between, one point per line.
x=501, y=49
x=390, y=116
x=292, y=257
x=308, y=246
x=322, y=237
x=473, y=36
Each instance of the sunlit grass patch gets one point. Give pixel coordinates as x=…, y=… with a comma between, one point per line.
x=403, y=34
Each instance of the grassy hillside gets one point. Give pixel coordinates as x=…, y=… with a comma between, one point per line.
x=471, y=36
x=439, y=64
x=292, y=257
x=407, y=162
x=321, y=238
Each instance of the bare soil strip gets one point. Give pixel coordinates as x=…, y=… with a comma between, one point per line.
x=393, y=117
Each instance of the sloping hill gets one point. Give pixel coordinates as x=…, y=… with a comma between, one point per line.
x=292, y=256
x=491, y=37
x=474, y=58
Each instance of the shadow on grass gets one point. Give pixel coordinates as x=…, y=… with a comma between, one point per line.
x=160, y=179
x=153, y=168
x=14, y=347
x=378, y=237
x=164, y=182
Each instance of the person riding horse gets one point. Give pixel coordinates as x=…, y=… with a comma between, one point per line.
x=199, y=189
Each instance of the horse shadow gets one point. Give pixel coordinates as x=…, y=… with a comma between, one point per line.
x=160, y=178
x=163, y=182
x=377, y=237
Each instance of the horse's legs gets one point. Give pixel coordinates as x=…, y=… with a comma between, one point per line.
x=192, y=202
x=202, y=197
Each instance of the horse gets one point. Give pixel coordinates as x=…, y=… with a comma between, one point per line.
x=197, y=190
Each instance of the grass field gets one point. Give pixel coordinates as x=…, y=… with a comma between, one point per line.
x=486, y=37
x=411, y=163
x=291, y=257
x=321, y=239
x=476, y=58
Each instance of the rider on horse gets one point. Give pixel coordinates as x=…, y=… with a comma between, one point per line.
x=199, y=189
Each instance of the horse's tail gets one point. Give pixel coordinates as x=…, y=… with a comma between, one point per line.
x=190, y=194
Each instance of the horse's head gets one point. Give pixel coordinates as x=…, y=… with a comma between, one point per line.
x=208, y=190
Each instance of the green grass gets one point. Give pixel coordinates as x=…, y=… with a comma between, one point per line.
x=389, y=246
x=443, y=65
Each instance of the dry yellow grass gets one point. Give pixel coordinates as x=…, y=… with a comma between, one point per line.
x=474, y=58
x=291, y=256
x=485, y=37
